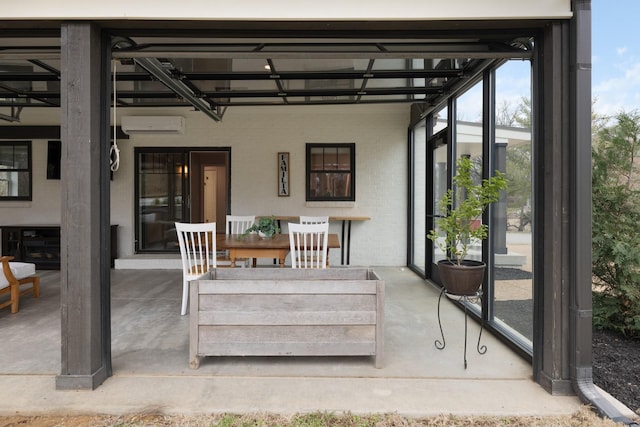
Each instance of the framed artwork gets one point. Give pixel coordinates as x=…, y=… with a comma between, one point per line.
x=283, y=174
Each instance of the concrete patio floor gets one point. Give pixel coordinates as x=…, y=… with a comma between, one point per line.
x=151, y=370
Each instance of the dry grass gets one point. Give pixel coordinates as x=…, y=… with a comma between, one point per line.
x=583, y=418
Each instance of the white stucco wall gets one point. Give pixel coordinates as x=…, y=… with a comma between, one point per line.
x=256, y=135
x=44, y=208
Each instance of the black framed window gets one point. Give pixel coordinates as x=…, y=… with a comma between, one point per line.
x=15, y=170
x=331, y=172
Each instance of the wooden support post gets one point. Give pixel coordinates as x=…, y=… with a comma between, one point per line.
x=85, y=272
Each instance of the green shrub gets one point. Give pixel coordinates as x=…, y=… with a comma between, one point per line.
x=616, y=226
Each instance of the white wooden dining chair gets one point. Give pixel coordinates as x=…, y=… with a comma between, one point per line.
x=306, y=219
x=198, y=250
x=313, y=219
x=308, y=245
x=238, y=224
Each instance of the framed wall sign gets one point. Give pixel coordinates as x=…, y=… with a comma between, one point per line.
x=283, y=174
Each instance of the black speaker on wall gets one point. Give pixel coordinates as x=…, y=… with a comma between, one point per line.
x=54, y=152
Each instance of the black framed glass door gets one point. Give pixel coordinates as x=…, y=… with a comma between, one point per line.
x=161, y=191
x=428, y=183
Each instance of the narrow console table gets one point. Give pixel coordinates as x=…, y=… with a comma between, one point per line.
x=40, y=244
x=345, y=247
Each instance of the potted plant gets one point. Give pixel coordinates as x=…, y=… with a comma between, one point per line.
x=266, y=227
x=462, y=226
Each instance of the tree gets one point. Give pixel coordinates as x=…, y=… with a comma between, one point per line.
x=519, y=193
x=598, y=121
x=616, y=218
x=508, y=114
x=518, y=171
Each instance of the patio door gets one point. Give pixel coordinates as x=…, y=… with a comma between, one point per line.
x=209, y=186
x=178, y=185
x=161, y=184
x=428, y=184
x=210, y=191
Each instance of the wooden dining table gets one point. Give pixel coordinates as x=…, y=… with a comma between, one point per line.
x=346, y=220
x=252, y=246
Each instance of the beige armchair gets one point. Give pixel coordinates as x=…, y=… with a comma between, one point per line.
x=15, y=275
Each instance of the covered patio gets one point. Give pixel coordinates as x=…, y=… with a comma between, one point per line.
x=151, y=370
x=378, y=78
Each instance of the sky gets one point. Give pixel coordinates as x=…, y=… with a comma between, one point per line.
x=615, y=75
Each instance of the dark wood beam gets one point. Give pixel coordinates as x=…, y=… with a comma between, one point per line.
x=85, y=268
x=42, y=132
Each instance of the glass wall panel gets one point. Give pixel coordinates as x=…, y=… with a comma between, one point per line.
x=440, y=172
x=419, y=196
x=513, y=273
x=468, y=143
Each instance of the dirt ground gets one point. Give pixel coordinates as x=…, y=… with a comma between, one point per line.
x=616, y=359
x=616, y=362
x=583, y=418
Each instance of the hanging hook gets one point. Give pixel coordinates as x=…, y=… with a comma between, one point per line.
x=114, y=151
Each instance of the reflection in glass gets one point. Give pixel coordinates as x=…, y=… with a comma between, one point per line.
x=161, y=178
x=15, y=173
x=14, y=184
x=329, y=185
x=468, y=143
x=513, y=280
x=330, y=171
x=344, y=159
x=419, y=196
x=439, y=182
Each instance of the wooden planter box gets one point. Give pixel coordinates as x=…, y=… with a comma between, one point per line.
x=287, y=312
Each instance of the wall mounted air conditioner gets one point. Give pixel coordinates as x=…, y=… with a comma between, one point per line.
x=168, y=125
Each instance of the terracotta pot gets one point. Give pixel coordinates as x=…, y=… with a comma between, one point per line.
x=464, y=279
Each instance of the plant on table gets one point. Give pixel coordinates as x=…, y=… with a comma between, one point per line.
x=266, y=227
